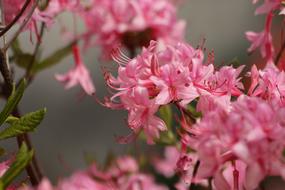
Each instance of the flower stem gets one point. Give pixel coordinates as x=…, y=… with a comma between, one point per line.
x=278, y=57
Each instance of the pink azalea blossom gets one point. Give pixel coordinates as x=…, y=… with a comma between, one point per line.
x=13, y=7
x=167, y=166
x=162, y=75
x=267, y=6
x=77, y=75
x=4, y=166
x=131, y=23
x=262, y=40
x=252, y=132
x=268, y=84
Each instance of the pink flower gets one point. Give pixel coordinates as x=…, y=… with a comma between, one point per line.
x=267, y=6
x=232, y=177
x=81, y=181
x=4, y=166
x=252, y=132
x=140, y=181
x=163, y=75
x=131, y=23
x=78, y=74
x=262, y=40
x=167, y=165
x=141, y=115
x=268, y=84
x=13, y=7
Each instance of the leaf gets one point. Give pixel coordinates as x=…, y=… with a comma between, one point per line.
x=165, y=113
x=25, y=124
x=22, y=159
x=12, y=101
x=16, y=47
x=193, y=111
x=23, y=60
x=234, y=62
x=53, y=59
x=43, y=4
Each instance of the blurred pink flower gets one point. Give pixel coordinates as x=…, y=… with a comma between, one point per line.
x=262, y=40
x=252, y=132
x=268, y=84
x=267, y=6
x=78, y=74
x=167, y=165
x=131, y=23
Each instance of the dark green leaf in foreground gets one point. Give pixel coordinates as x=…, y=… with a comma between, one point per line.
x=12, y=101
x=25, y=124
x=165, y=113
x=22, y=159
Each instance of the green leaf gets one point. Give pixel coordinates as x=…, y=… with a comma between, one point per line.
x=16, y=48
x=234, y=62
x=23, y=60
x=193, y=111
x=165, y=113
x=25, y=124
x=12, y=101
x=22, y=159
x=53, y=59
x=43, y=4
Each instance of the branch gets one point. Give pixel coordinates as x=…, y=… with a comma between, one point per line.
x=23, y=25
x=278, y=57
x=17, y=17
x=28, y=74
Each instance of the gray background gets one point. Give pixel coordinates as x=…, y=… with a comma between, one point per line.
x=73, y=127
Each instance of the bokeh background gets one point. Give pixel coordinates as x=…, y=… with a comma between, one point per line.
x=75, y=127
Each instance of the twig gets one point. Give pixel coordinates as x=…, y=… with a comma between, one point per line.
x=23, y=25
x=196, y=167
x=32, y=168
x=17, y=17
x=278, y=57
x=6, y=72
x=28, y=74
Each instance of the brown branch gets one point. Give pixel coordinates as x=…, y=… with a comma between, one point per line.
x=33, y=169
x=278, y=57
x=17, y=17
x=195, y=171
x=28, y=74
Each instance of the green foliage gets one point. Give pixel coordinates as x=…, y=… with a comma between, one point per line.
x=54, y=58
x=43, y=4
x=23, y=59
x=193, y=111
x=165, y=113
x=12, y=101
x=22, y=159
x=22, y=125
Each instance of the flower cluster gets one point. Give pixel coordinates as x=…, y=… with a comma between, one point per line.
x=132, y=23
x=171, y=74
x=263, y=39
x=252, y=133
x=122, y=174
x=223, y=136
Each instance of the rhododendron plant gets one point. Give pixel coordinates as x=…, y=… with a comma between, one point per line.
x=216, y=127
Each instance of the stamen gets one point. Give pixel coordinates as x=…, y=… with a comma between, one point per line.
x=119, y=57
